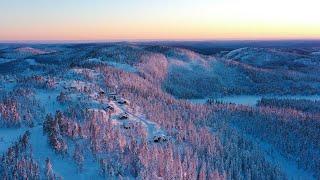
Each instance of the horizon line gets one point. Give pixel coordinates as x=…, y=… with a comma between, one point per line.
x=150, y=40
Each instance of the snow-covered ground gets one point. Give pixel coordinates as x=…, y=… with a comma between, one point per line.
x=8, y=136
x=31, y=50
x=153, y=129
x=64, y=166
x=31, y=62
x=48, y=100
x=273, y=156
x=289, y=167
x=89, y=109
x=3, y=60
x=121, y=66
x=124, y=67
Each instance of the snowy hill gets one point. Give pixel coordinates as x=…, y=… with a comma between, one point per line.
x=30, y=50
x=121, y=110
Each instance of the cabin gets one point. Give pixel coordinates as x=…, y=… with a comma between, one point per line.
x=113, y=97
x=112, y=94
x=108, y=108
x=160, y=138
x=127, y=125
x=85, y=89
x=123, y=102
x=72, y=88
x=102, y=93
x=124, y=116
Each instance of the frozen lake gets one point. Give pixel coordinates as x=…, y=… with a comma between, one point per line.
x=251, y=100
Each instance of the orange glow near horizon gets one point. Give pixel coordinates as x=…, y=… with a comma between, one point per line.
x=159, y=20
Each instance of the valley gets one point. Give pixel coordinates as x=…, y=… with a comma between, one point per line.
x=150, y=111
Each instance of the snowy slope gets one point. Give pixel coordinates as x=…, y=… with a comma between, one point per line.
x=100, y=111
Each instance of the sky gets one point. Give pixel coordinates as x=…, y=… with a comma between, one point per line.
x=99, y=20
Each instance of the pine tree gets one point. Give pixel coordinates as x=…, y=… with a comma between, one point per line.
x=78, y=157
x=48, y=170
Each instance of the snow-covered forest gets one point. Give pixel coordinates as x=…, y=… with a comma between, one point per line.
x=122, y=111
